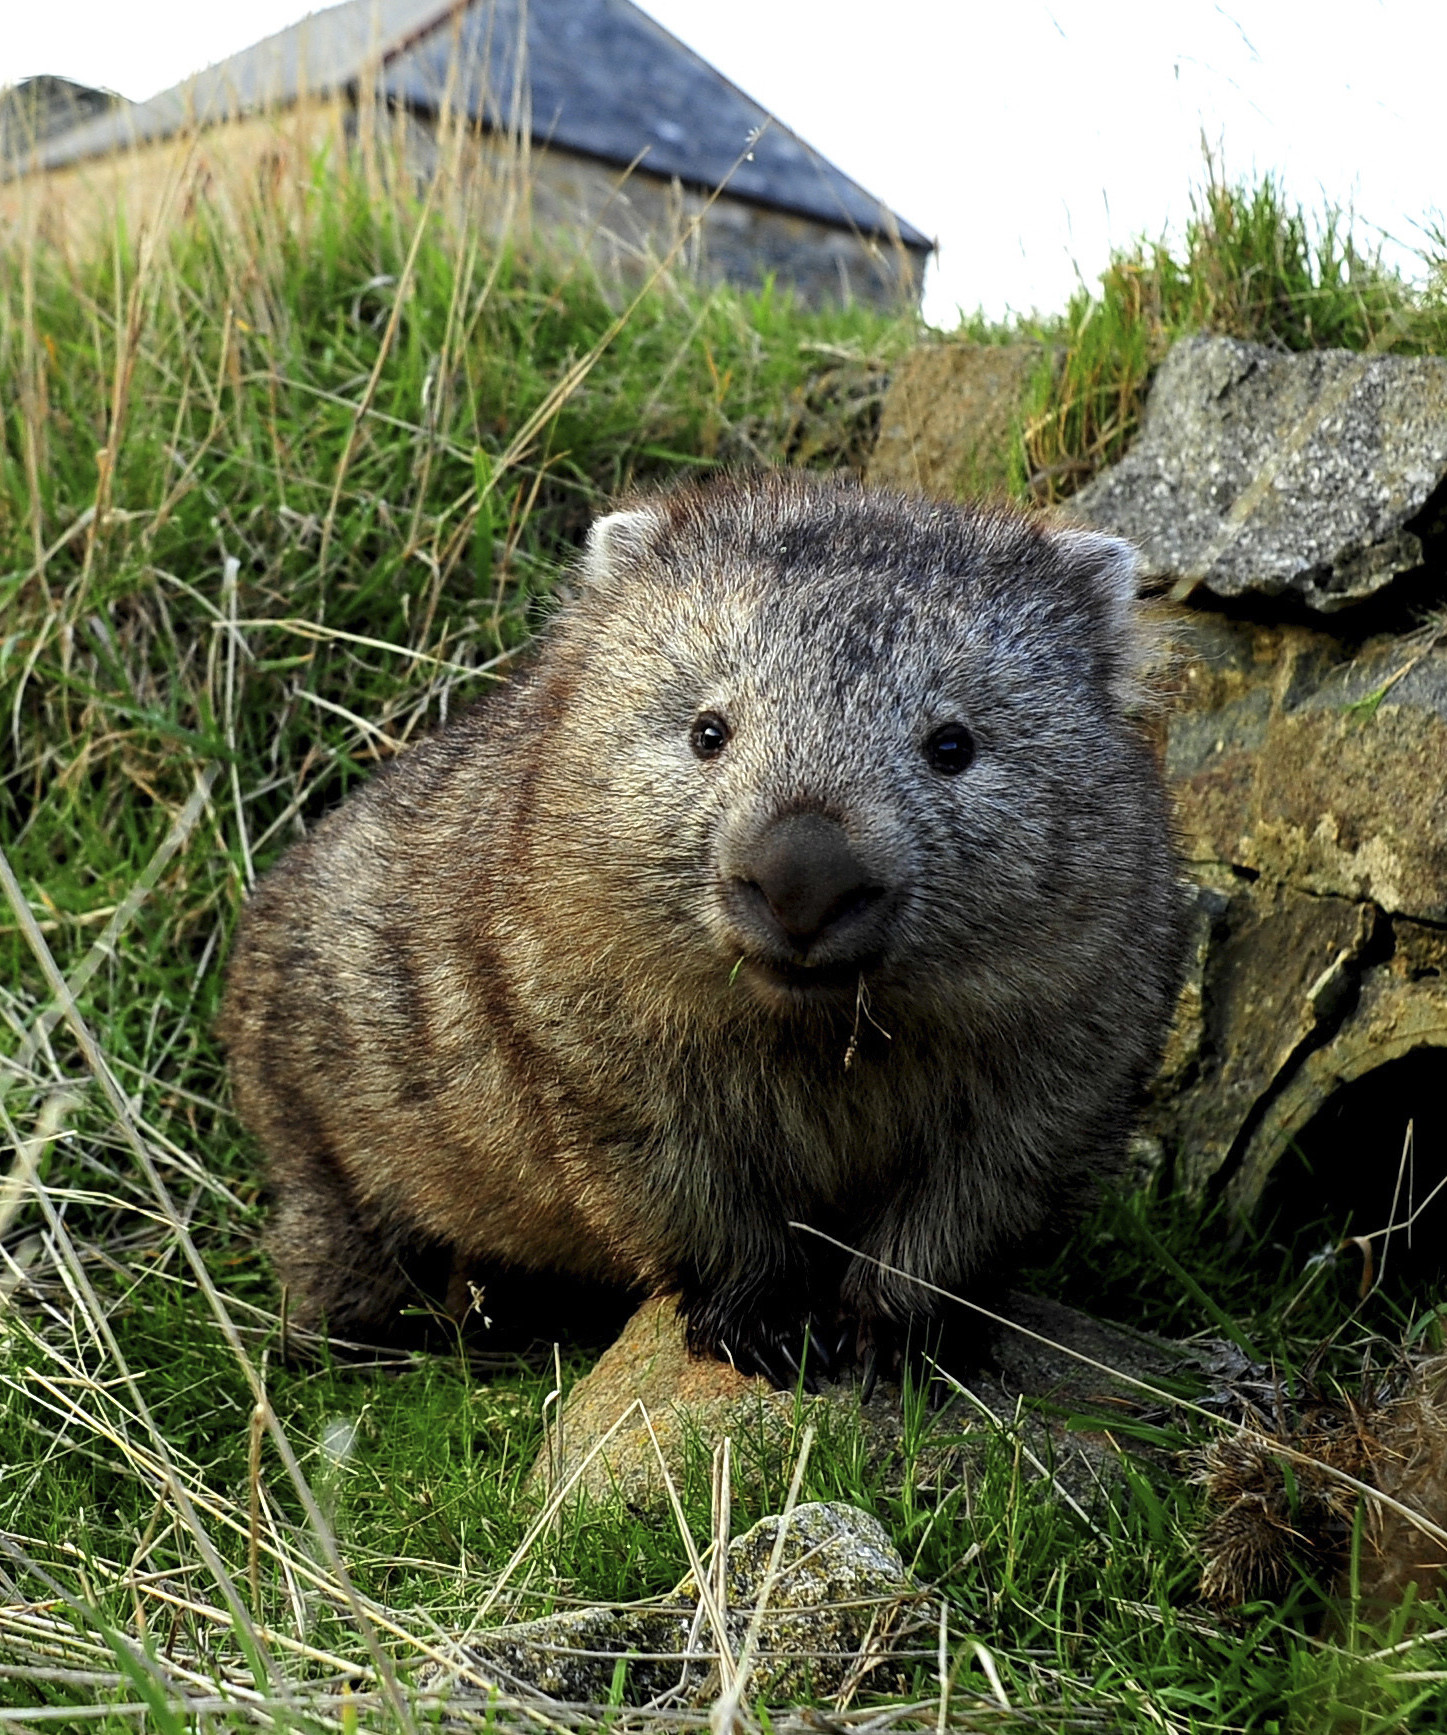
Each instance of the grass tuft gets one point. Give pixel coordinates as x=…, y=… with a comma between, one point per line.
x=1253, y=266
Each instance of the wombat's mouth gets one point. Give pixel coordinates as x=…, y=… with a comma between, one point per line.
x=804, y=984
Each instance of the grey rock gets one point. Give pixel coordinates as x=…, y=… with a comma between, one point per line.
x=1259, y=472
x=839, y=1606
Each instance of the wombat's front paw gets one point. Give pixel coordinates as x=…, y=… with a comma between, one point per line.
x=786, y=1346
x=935, y=1354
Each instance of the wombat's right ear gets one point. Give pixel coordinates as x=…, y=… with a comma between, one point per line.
x=619, y=543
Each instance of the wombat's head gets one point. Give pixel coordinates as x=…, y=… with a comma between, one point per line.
x=808, y=733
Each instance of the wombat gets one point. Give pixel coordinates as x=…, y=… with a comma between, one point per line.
x=814, y=873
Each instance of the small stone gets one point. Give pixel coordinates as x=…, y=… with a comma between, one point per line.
x=839, y=1603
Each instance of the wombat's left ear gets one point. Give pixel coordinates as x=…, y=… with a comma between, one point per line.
x=1109, y=570
x=619, y=543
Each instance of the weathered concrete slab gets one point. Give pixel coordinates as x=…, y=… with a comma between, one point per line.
x=1292, y=757
x=1270, y=474
x=949, y=419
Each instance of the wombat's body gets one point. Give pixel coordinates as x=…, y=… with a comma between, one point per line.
x=812, y=874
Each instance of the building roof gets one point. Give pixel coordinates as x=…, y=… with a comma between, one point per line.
x=36, y=109
x=601, y=78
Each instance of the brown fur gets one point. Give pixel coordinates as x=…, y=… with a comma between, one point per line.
x=521, y=1004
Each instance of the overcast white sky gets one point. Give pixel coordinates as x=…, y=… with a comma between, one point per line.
x=1026, y=137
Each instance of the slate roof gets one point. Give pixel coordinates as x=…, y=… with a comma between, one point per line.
x=36, y=109
x=602, y=79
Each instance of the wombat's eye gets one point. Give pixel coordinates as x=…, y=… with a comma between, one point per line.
x=709, y=735
x=950, y=748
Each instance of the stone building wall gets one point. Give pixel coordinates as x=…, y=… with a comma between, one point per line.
x=627, y=222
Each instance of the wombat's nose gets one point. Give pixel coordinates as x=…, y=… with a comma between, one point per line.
x=805, y=871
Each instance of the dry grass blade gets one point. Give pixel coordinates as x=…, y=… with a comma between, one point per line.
x=727, y=1713
x=399, y=297
x=16, y=1066
x=103, y=1075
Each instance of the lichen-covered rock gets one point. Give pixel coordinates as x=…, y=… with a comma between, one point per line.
x=1262, y=473
x=949, y=417
x=838, y=1604
x=1309, y=774
x=841, y=1598
x=1315, y=763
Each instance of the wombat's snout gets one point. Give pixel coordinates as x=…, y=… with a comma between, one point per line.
x=801, y=889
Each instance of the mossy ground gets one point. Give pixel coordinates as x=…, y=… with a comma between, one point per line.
x=277, y=494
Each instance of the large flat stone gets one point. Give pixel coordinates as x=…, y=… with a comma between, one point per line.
x=1270, y=474
x=648, y=1409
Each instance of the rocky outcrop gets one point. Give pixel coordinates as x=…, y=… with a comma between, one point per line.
x=1310, y=777
x=1262, y=474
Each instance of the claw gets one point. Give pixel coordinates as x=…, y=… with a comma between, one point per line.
x=787, y=1356
x=804, y=1374
x=869, y=1373
x=817, y=1347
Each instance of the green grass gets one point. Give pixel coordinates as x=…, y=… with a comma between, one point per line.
x=277, y=495
x=1253, y=265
